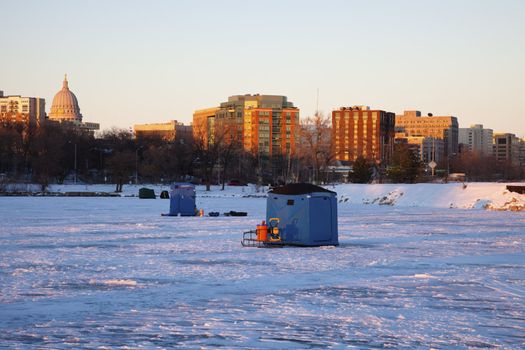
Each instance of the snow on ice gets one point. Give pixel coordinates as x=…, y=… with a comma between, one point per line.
x=113, y=273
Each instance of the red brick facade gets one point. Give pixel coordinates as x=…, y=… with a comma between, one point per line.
x=358, y=131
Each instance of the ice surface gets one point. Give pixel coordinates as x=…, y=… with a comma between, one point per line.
x=112, y=273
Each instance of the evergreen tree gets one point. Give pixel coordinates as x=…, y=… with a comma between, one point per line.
x=361, y=171
x=405, y=165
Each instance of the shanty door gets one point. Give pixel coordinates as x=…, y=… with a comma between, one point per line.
x=320, y=219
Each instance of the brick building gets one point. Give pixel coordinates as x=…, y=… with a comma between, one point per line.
x=359, y=131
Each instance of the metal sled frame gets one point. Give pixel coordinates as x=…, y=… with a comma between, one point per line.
x=249, y=239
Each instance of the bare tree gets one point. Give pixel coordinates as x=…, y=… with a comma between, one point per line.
x=206, y=153
x=16, y=136
x=476, y=166
x=229, y=146
x=121, y=165
x=315, y=145
x=47, y=151
x=123, y=159
x=10, y=146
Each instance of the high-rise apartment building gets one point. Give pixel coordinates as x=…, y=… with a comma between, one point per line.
x=169, y=131
x=359, y=131
x=28, y=110
x=476, y=139
x=264, y=125
x=440, y=127
x=506, y=148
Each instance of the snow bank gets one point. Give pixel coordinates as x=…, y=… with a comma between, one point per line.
x=492, y=196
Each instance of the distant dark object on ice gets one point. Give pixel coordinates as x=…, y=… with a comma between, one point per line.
x=236, y=213
x=146, y=193
x=214, y=213
x=164, y=195
x=236, y=183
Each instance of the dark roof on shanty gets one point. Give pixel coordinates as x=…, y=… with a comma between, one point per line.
x=298, y=188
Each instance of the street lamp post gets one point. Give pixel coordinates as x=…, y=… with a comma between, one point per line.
x=75, y=163
x=137, y=164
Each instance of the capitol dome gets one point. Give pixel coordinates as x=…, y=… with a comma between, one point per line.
x=65, y=105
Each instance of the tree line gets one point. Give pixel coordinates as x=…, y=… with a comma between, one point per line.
x=55, y=153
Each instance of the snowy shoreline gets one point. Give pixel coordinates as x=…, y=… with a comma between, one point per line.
x=490, y=196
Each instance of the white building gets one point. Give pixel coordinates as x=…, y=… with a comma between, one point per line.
x=477, y=139
x=16, y=108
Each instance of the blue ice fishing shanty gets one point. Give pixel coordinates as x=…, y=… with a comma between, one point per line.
x=182, y=200
x=307, y=214
x=297, y=214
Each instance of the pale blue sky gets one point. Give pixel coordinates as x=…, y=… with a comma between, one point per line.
x=150, y=61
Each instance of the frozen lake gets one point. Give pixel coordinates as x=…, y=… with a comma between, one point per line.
x=111, y=272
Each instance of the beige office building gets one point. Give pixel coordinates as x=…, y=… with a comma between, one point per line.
x=445, y=128
x=427, y=148
x=170, y=131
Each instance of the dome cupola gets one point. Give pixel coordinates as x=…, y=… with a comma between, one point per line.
x=65, y=105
